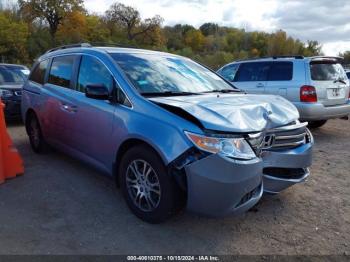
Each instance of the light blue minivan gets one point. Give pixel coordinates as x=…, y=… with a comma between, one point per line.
x=170, y=131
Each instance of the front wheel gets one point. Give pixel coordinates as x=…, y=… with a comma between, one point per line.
x=150, y=192
x=317, y=124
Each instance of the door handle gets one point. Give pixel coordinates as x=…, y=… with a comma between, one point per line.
x=69, y=109
x=260, y=85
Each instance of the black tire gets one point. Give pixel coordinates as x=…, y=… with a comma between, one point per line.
x=35, y=135
x=317, y=124
x=169, y=191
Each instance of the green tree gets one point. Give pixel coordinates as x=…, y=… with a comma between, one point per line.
x=96, y=29
x=73, y=28
x=346, y=56
x=312, y=48
x=53, y=11
x=217, y=59
x=209, y=29
x=42, y=24
x=173, y=37
x=39, y=41
x=13, y=39
x=194, y=39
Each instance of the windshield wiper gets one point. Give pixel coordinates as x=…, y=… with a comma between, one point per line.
x=340, y=81
x=223, y=91
x=168, y=93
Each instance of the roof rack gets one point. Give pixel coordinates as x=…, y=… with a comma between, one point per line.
x=106, y=44
x=101, y=44
x=288, y=56
x=69, y=46
x=273, y=57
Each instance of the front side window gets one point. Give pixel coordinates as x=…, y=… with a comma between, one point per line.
x=93, y=72
x=255, y=71
x=280, y=71
x=326, y=71
x=229, y=72
x=38, y=74
x=61, y=71
x=150, y=73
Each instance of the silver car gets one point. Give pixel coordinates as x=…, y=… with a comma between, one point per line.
x=317, y=86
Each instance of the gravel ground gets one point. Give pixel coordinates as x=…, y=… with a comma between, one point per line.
x=61, y=206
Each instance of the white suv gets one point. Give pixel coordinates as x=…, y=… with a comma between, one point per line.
x=317, y=86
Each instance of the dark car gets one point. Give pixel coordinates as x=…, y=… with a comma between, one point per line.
x=12, y=78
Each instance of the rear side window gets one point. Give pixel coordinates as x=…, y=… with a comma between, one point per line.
x=93, y=72
x=38, y=73
x=256, y=71
x=281, y=71
x=61, y=71
x=326, y=71
x=229, y=72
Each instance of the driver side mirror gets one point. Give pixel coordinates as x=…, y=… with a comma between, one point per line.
x=97, y=91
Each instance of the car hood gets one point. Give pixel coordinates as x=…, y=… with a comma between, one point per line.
x=11, y=86
x=234, y=112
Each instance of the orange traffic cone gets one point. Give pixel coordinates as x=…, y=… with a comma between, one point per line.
x=11, y=163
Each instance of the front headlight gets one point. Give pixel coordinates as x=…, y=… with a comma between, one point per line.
x=5, y=93
x=230, y=147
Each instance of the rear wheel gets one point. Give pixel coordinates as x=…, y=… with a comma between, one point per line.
x=316, y=124
x=149, y=191
x=36, y=139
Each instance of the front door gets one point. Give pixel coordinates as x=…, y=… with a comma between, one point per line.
x=93, y=119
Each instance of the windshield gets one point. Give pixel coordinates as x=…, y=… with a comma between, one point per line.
x=326, y=71
x=152, y=73
x=12, y=76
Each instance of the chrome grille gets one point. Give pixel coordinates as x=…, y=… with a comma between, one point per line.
x=289, y=136
x=285, y=137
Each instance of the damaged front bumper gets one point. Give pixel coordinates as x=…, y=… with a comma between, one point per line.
x=283, y=169
x=218, y=186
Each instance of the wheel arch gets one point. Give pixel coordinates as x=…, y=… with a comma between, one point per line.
x=128, y=144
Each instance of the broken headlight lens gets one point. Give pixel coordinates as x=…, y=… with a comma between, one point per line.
x=230, y=147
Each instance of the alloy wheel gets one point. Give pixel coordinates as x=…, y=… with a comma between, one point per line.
x=143, y=185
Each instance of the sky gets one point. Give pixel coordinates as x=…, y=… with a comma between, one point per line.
x=327, y=21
